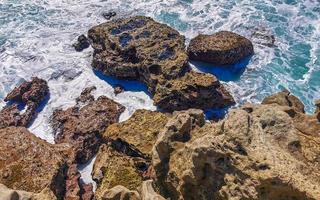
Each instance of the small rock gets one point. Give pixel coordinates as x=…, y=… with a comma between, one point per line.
x=118, y=89
x=221, y=48
x=82, y=43
x=109, y=15
x=86, y=96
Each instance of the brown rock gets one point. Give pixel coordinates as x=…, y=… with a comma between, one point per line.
x=221, y=48
x=86, y=96
x=148, y=193
x=31, y=94
x=285, y=98
x=82, y=127
x=87, y=192
x=317, y=104
x=137, y=135
x=29, y=163
x=120, y=192
x=118, y=89
x=194, y=90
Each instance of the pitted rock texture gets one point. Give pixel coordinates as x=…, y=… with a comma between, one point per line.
x=255, y=153
x=137, y=135
x=83, y=127
x=221, y=48
x=29, y=163
x=193, y=90
x=112, y=168
x=138, y=48
x=30, y=94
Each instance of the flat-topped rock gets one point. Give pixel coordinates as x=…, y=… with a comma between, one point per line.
x=221, y=48
x=29, y=163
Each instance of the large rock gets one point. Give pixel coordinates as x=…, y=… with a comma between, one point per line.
x=83, y=127
x=112, y=168
x=29, y=163
x=137, y=135
x=221, y=48
x=255, y=153
x=138, y=48
x=29, y=94
x=194, y=90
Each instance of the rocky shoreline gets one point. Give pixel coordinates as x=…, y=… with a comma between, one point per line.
x=258, y=151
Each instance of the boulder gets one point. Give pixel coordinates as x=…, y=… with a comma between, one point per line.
x=193, y=90
x=221, y=48
x=82, y=43
x=112, y=168
x=29, y=163
x=285, y=98
x=29, y=94
x=109, y=15
x=254, y=153
x=83, y=127
x=137, y=135
x=138, y=48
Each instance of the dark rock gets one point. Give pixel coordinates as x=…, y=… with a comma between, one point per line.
x=29, y=94
x=82, y=43
x=109, y=15
x=317, y=104
x=86, y=96
x=194, y=90
x=87, y=192
x=222, y=48
x=118, y=89
x=29, y=163
x=82, y=127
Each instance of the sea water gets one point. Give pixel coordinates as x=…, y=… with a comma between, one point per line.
x=36, y=38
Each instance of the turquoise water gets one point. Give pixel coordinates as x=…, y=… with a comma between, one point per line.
x=36, y=38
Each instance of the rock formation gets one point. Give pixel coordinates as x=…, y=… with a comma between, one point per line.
x=138, y=48
x=82, y=43
x=29, y=94
x=82, y=127
x=221, y=48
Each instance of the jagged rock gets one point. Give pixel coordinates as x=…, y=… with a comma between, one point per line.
x=10, y=194
x=255, y=153
x=285, y=98
x=221, y=48
x=109, y=15
x=112, y=168
x=29, y=163
x=87, y=192
x=137, y=135
x=86, y=96
x=194, y=90
x=82, y=43
x=30, y=94
x=120, y=193
x=82, y=127
x=138, y=48
x=148, y=193
x=118, y=89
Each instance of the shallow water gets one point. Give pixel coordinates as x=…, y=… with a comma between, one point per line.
x=36, y=38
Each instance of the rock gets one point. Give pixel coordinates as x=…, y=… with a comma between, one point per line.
x=112, y=168
x=82, y=43
x=221, y=48
x=83, y=127
x=120, y=193
x=138, y=48
x=9, y=194
x=285, y=98
x=118, y=89
x=86, y=96
x=254, y=153
x=109, y=15
x=317, y=104
x=30, y=94
x=87, y=192
x=29, y=163
x=137, y=135
x=148, y=193
x=194, y=90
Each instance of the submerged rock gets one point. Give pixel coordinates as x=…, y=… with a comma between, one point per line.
x=109, y=15
x=138, y=48
x=83, y=127
x=221, y=48
x=82, y=43
x=255, y=153
x=30, y=164
x=194, y=90
x=30, y=94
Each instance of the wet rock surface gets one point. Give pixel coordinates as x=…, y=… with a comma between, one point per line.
x=255, y=153
x=82, y=127
x=138, y=48
x=82, y=43
x=109, y=15
x=29, y=94
x=221, y=48
x=30, y=164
